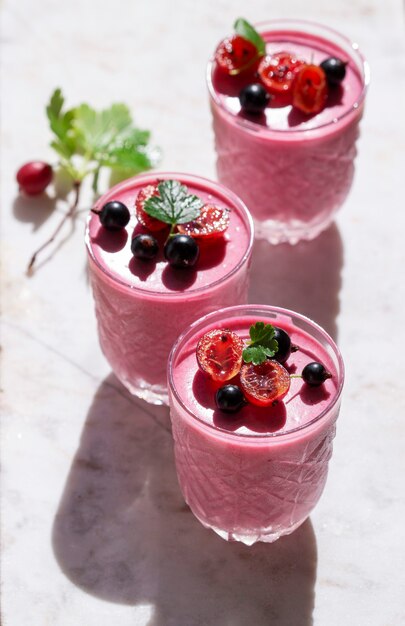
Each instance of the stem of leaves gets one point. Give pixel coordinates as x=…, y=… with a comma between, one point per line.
x=96, y=175
x=68, y=215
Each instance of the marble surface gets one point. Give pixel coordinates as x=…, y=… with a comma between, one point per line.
x=93, y=526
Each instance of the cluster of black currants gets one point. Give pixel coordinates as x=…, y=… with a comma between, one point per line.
x=181, y=251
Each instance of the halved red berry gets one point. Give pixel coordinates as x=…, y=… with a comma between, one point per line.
x=277, y=72
x=310, y=89
x=212, y=222
x=219, y=354
x=264, y=384
x=151, y=223
x=236, y=54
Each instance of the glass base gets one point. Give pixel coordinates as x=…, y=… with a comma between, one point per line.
x=153, y=394
x=279, y=232
x=265, y=535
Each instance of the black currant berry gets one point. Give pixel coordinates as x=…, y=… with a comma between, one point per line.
x=335, y=70
x=254, y=98
x=229, y=398
x=284, y=345
x=181, y=251
x=314, y=374
x=144, y=247
x=114, y=215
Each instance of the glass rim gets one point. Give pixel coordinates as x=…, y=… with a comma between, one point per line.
x=184, y=179
x=244, y=309
x=252, y=126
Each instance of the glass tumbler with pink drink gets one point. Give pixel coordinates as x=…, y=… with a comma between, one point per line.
x=163, y=249
x=286, y=101
x=254, y=395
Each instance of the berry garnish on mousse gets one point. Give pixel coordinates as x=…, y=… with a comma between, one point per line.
x=256, y=365
x=285, y=347
x=266, y=383
x=335, y=70
x=211, y=223
x=145, y=247
x=254, y=98
x=242, y=51
x=151, y=223
x=168, y=205
x=310, y=89
x=34, y=177
x=280, y=78
x=314, y=374
x=277, y=73
x=229, y=398
x=113, y=215
x=181, y=251
x=219, y=354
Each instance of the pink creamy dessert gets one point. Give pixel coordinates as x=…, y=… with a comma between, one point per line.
x=293, y=170
x=142, y=306
x=256, y=474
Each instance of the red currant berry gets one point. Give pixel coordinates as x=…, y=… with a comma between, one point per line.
x=219, y=354
x=151, y=223
x=212, y=222
x=235, y=54
x=34, y=177
x=277, y=73
x=310, y=89
x=264, y=384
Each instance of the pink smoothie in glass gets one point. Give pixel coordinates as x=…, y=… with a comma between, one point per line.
x=292, y=170
x=256, y=474
x=142, y=306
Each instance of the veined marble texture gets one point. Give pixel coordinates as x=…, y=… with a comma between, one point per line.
x=94, y=530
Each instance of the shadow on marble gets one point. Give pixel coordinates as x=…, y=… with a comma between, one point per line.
x=34, y=209
x=123, y=533
x=305, y=278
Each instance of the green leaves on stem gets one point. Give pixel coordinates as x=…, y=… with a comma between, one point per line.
x=87, y=140
x=262, y=344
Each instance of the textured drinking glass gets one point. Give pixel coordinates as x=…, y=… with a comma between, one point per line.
x=294, y=171
x=261, y=482
x=138, y=326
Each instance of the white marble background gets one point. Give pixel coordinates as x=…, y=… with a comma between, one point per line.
x=94, y=530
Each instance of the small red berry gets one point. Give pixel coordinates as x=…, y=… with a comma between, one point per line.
x=310, y=89
x=219, y=354
x=277, y=72
x=34, y=177
x=236, y=54
x=212, y=222
x=264, y=384
x=151, y=223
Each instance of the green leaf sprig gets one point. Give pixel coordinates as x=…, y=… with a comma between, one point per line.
x=247, y=31
x=262, y=345
x=86, y=141
x=174, y=204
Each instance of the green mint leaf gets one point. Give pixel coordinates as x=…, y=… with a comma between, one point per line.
x=55, y=104
x=256, y=354
x=261, y=333
x=110, y=138
x=86, y=140
x=262, y=343
x=61, y=124
x=99, y=131
x=247, y=31
x=174, y=205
